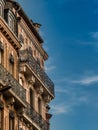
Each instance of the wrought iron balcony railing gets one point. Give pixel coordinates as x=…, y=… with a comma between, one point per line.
x=7, y=78
x=36, y=117
x=26, y=56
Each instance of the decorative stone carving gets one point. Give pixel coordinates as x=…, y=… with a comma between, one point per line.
x=20, y=111
x=47, y=107
x=31, y=80
x=23, y=69
x=40, y=90
x=10, y=101
x=47, y=98
x=11, y=114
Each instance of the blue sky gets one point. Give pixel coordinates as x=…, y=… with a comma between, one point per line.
x=70, y=33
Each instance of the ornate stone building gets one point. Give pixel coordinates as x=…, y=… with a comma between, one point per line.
x=25, y=88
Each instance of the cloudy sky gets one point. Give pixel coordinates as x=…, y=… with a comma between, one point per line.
x=70, y=33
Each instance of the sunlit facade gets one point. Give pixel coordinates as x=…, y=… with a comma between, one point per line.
x=24, y=103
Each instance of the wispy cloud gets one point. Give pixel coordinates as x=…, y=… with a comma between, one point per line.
x=68, y=106
x=61, y=90
x=75, y=96
x=89, y=42
x=60, y=109
x=49, y=68
x=94, y=35
x=86, y=80
x=92, y=39
x=49, y=65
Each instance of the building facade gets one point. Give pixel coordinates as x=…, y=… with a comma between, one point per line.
x=25, y=88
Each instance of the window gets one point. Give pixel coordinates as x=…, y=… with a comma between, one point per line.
x=11, y=120
x=10, y=18
x=11, y=123
x=0, y=10
x=1, y=53
x=2, y=3
x=1, y=119
x=39, y=106
x=31, y=98
x=19, y=125
x=11, y=23
x=11, y=64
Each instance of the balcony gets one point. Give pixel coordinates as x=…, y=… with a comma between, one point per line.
x=26, y=57
x=36, y=118
x=17, y=91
